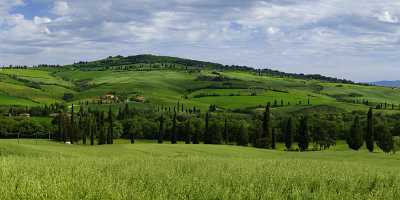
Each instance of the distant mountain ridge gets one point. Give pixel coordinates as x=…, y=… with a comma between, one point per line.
x=387, y=83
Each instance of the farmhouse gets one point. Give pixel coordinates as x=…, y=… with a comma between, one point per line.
x=27, y=115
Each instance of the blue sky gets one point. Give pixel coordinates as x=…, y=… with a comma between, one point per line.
x=357, y=40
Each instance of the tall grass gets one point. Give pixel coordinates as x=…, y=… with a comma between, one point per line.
x=149, y=171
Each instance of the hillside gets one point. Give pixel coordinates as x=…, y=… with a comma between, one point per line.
x=164, y=81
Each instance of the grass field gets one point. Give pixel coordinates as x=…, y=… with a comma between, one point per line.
x=46, y=170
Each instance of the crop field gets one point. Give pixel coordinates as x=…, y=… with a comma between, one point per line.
x=46, y=170
x=238, y=89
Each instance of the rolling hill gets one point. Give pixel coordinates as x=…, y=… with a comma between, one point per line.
x=159, y=80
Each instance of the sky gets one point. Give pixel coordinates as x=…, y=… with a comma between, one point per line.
x=357, y=40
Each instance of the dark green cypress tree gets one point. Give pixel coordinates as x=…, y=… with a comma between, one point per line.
x=72, y=126
x=243, y=135
x=92, y=129
x=100, y=126
x=132, y=133
x=126, y=112
x=289, y=133
x=161, y=129
x=83, y=125
x=225, y=134
x=355, y=139
x=173, y=131
x=273, y=141
x=188, y=131
x=266, y=139
x=384, y=139
x=110, y=133
x=207, y=138
x=369, y=136
x=304, y=138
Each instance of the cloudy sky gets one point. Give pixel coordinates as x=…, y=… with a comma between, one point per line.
x=357, y=40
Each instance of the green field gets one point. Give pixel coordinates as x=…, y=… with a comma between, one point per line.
x=43, y=170
x=239, y=89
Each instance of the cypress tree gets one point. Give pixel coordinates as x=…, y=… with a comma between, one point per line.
x=132, y=134
x=243, y=137
x=369, y=137
x=83, y=127
x=303, y=134
x=126, y=111
x=355, y=139
x=384, y=139
x=92, y=128
x=225, y=135
x=173, y=132
x=102, y=138
x=266, y=137
x=207, y=138
x=161, y=129
x=188, y=131
x=289, y=133
x=110, y=134
x=273, y=141
x=72, y=126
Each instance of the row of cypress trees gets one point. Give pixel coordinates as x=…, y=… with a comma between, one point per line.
x=380, y=135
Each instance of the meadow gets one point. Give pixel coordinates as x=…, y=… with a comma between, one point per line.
x=49, y=170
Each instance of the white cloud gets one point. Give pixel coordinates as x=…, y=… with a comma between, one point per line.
x=41, y=20
x=61, y=8
x=273, y=30
x=258, y=31
x=387, y=17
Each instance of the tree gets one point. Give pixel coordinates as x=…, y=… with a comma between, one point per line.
x=273, y=141
x=100, y=127
x=225, y=134
x=303, y=134
x=197, y=126
x=289, y=133
x=384, y=139
x=92, y=129
x=83, y=125
x=369, y=136
x=355, y=139
x=173, y=131
x=110, y=133
x=266, y=136
x=188, y=131
x=161, y=129
x=207, y=138
x=243, y=135
x=215, y=132
x=72, y=128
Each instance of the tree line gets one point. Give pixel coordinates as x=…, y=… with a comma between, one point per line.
x=193, y=127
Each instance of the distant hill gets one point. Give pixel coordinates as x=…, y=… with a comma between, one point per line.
x=387, y=83
x=147, y=61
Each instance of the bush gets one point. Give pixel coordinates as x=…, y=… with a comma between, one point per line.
x=68, y=96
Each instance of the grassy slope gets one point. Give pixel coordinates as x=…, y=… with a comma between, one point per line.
x=45, y=170
x=168, y=87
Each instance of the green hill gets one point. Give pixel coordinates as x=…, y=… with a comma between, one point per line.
x=167, y=80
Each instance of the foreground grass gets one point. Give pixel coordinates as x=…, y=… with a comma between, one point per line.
x=42, y=170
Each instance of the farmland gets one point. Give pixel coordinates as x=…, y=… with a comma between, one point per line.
x=223, y=132
x=43, y=170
